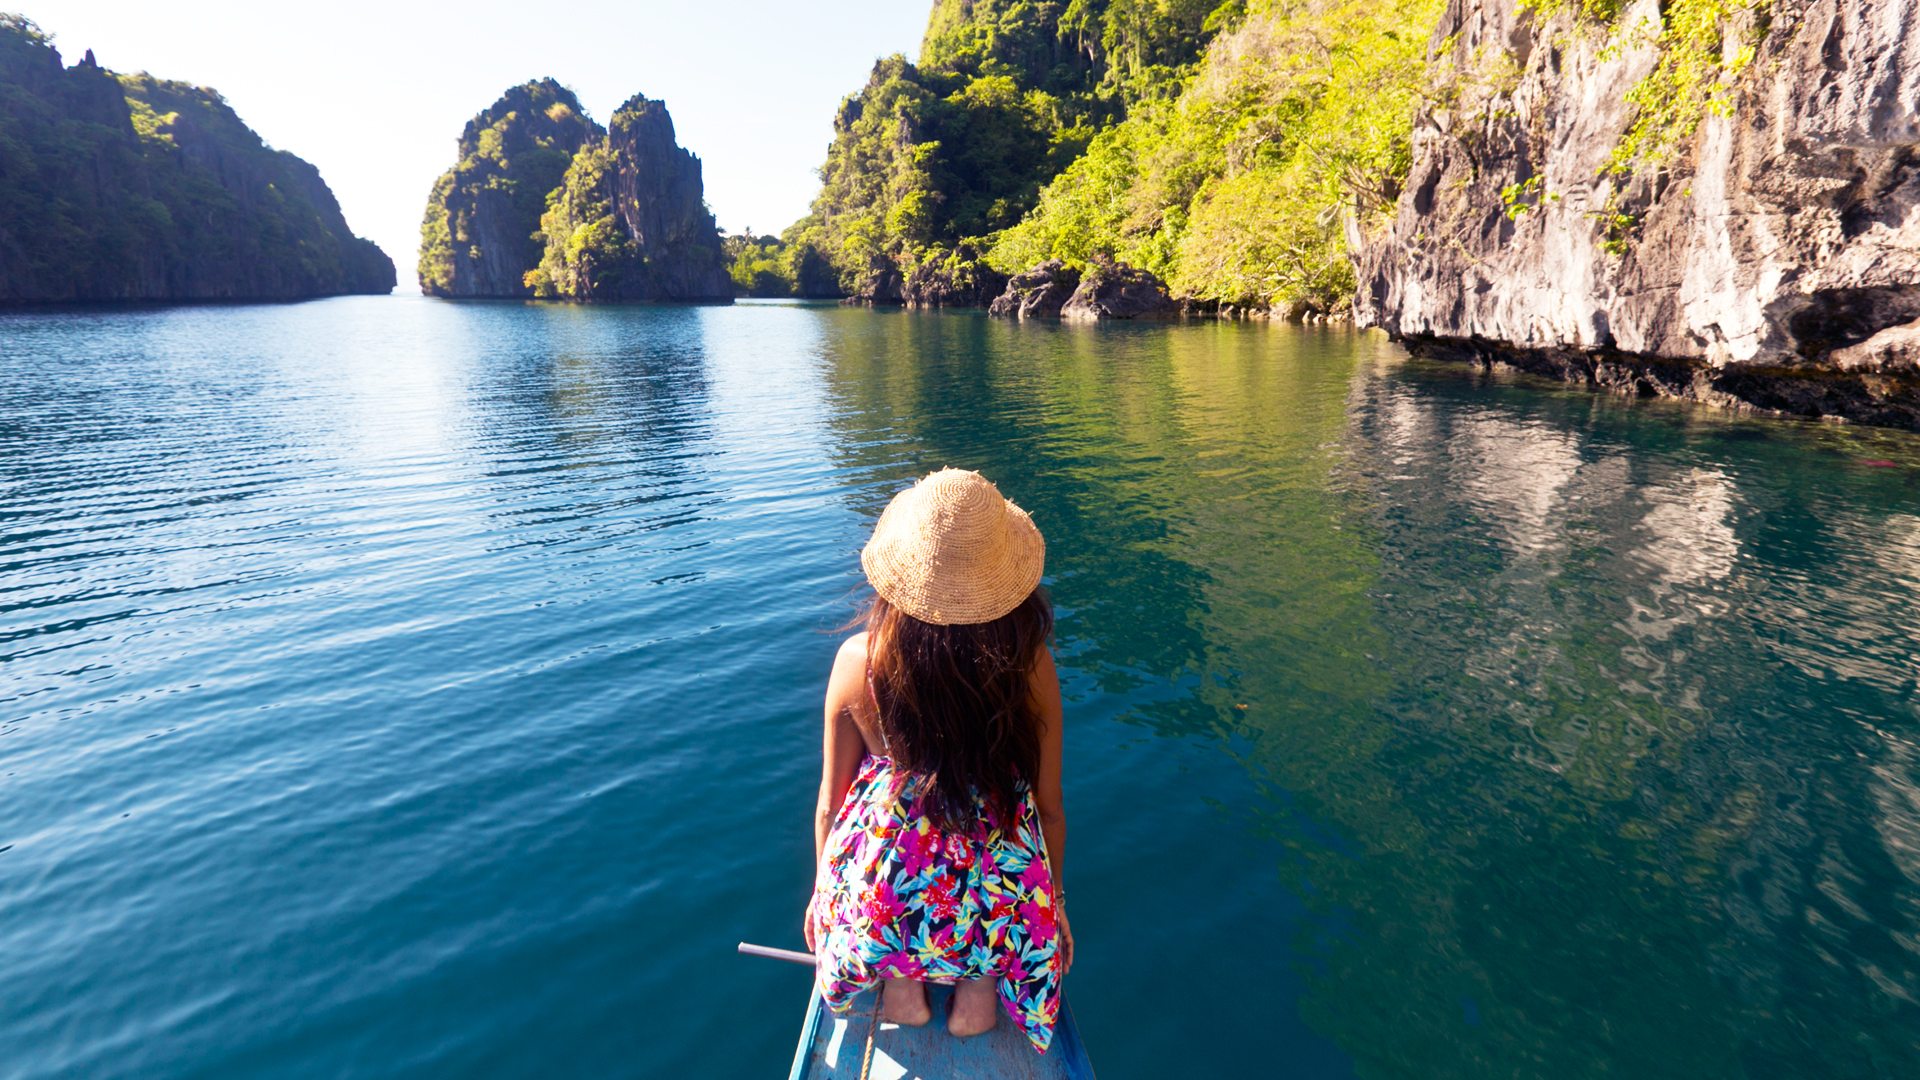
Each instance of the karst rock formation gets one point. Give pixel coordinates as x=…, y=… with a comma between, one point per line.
x=1772, y=262
x=545, y=203
x=133, y=188
x=478, y=238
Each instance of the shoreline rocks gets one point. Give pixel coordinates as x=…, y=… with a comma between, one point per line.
x=1114, y=290
x=1038, y=293
x=959, y=280
x=1105, y=290
x=1862, y=397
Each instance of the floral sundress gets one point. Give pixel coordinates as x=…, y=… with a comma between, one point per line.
x=895, y=898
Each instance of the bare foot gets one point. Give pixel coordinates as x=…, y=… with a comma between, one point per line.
x=904, y=1002
x=976, y=1008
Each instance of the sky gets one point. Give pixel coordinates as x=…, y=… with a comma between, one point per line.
x=375, y=93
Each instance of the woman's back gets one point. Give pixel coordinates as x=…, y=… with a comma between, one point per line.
x=940, y=829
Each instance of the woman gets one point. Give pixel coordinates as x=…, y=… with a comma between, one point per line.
x=939, y=832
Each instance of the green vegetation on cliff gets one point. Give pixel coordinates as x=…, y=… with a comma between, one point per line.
x=478, y=235
x=1236, y=190
x=584, y=246
x=758, y=266
x=952, y=150
x=629, y=220
x=1221, y=146
x=136, y=188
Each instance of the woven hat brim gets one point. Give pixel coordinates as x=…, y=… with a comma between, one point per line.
x=955, y=595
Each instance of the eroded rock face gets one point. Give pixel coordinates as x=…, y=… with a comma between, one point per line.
x=1038, y=293
x=630, y=221
x=477, y=236
x=661, y=201
x=1771, y=266
x=128, y=187
x=1114, y=290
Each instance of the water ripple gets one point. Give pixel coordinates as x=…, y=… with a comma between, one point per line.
x=397, y=688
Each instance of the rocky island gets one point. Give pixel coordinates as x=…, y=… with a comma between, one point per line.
x=545, y=203
x=477, y=238
x=128, y=187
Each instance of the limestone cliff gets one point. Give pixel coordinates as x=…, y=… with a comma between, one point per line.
x=136, y=188
x=1771, y=260
x=477, y=238
x=630, y=221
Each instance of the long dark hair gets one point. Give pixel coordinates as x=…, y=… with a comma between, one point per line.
x=957, y=706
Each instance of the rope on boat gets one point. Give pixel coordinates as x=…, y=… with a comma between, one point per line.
x=866, y=1058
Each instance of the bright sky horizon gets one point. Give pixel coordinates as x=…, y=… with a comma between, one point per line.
x=375, y=94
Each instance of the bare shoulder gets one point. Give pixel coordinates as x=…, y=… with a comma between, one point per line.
x=853, y=651
x=856, y=646
x=849, y=670
x=1046, y=687
x=1043, y=663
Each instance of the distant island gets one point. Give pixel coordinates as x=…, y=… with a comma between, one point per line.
x=128, y=187
x=545, y=203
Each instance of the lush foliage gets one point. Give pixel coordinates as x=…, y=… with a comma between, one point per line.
x=952, y=150
x=628, y=221
x=123, y=187
x=1098, y=56
x=1694, y=77
x=511, y=156
x=1236, y=189
x=585, y=246
x=758, y=265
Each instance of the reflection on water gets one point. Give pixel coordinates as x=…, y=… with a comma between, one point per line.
x=1585, y=727
x=424, y=689
x=1643, y=698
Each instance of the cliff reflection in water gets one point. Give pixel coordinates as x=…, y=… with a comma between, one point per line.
x=1584, y=727
x=1647, y=682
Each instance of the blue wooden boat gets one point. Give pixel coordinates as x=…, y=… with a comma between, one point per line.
x=832, y=1047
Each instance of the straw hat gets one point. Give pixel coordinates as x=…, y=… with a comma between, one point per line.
x=950, y=549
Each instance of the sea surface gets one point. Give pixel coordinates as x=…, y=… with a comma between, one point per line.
x=393, y=687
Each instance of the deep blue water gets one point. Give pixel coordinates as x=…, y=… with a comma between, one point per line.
x=402, y=688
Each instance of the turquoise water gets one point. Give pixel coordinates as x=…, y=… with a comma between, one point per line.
x=400, y=688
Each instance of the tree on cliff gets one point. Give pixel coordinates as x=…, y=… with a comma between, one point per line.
x=135, y=188
x=478, y=235
x=757, y=265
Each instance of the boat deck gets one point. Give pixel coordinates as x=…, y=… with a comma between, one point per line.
x=831, y=1047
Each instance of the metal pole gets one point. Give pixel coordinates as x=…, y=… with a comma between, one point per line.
x=788, y=955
